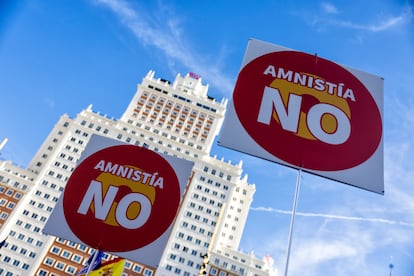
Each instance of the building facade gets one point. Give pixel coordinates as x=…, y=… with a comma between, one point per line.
x=177, y=118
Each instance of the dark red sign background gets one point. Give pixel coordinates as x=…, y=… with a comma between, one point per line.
x=366, y=123
x=96, y=233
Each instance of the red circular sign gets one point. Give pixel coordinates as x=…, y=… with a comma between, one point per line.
x=121, y=198
x=307, y=111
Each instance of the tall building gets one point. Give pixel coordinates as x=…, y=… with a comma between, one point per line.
x=177, y=118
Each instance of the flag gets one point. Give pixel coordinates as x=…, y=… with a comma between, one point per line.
x=96, y=264
x=113, y=268
x=268, y=260
x=3, y=243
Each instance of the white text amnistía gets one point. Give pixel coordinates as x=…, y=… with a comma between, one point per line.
x=152, y=179
x=311, y=81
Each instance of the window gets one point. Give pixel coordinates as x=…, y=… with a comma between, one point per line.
x=42, y=272
x=76, y=258
x=59, y=265
x=55, y=250
x=48, y=261
x=137, y=268
x=147, y=272
x=4, y=215
x=82, y=247
x=71, y=270
x=66, y=254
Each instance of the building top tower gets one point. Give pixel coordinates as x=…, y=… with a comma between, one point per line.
x=181, y=109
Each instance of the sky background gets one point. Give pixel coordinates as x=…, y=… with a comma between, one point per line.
x=58, y=57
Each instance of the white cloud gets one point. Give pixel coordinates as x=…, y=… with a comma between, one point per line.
x=329, y=8
x=382, y=24
x=167, y=36
x=50, y=103
x=336, y=217
x=311, y=252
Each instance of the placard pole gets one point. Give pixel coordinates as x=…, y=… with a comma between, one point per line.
x=292, y=220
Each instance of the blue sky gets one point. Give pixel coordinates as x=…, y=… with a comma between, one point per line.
x=60, y=56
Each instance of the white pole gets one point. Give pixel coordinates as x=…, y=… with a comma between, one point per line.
x=292, y=220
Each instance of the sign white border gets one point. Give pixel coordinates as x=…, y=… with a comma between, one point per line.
x=369, y=175
x=150, y=254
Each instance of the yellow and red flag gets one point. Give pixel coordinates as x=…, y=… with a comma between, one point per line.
x=114, y=267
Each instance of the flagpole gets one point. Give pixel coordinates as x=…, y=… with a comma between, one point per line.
x=95, y=254
x=292, y=220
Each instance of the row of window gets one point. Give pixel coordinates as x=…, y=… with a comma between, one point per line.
x=204, y=199
x=59, y=266
x=28, y=240
x=183, y=98
x=15, y=262
x=159, y=142
x=197, y=217
x=220, y=174
x=16, y=184
x=34, y=216
x=41, y=205
x=215, y=272
x=20, y=174
x=46, y=196
x=56, y=250
x=177, y=258
x=8, y=204
x=173, y=116
x=23, y=251
x=10, y=192
x=204, y=209
x=190, y=238
x=211, y=191
x=195, y=228
x=28, y=226
x=52, y=186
